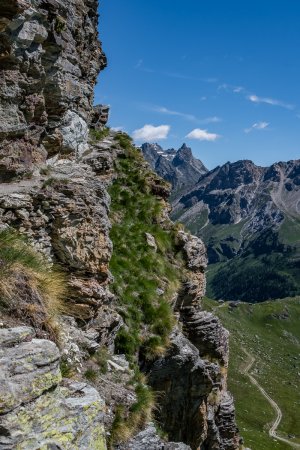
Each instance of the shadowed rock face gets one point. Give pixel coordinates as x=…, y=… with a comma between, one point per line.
x=50, y=58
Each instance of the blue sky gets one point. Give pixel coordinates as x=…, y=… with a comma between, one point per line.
x=222, y=76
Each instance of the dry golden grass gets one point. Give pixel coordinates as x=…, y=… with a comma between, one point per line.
x=30, y=288
x=140, y=413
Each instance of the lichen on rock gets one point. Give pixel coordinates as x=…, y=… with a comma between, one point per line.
x=37, y=409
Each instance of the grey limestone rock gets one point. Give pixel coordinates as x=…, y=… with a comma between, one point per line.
x=148, y=439
x=38, y=410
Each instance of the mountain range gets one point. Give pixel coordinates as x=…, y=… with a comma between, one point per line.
x=249, y=218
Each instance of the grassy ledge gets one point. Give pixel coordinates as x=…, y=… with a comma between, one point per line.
x=145, y=279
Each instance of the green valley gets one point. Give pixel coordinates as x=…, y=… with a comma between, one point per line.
x=269, y=333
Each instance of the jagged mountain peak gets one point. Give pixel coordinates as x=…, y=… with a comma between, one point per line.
x=179, y=167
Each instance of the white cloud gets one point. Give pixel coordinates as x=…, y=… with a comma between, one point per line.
x=269, y=101
x=151, y=133
x=202, y=135
x=257, y=126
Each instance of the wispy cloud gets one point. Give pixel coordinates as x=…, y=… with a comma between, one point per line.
x=231, y=88
x=213, y=119
x=164, y=110
x=181, y=76
x=253, y=97
x=150, y=132
x=202, y=135
x=186, y=116
x=257, y=126
x=139, y=64
x=269, y=101
x=238, y=89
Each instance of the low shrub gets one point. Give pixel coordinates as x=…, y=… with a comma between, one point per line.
x=99, y=135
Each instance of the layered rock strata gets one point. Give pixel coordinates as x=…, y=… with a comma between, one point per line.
x=50, y=58
x=65, y=215
x=191, y=378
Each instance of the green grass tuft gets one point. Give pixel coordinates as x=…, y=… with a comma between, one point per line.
x=30, y=287
x=99, y=135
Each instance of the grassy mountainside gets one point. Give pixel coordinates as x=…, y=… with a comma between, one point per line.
x=268, y=265
x=269, y=332
x=146, y=278
x=147, y=268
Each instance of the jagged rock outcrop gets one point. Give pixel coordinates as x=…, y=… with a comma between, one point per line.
x=38, y=410
x=99, y=117
x=50, y=58
x=191, y=378
x=179, y=167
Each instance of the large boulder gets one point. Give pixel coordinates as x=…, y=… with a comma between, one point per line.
x=38, y=410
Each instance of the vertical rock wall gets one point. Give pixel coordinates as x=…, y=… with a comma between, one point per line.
x=50, y=57
x=191, y=379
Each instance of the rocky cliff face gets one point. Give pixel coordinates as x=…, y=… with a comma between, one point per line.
x=50, y=57
x=192, y=375
x=179, y=167
x=66, y=379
